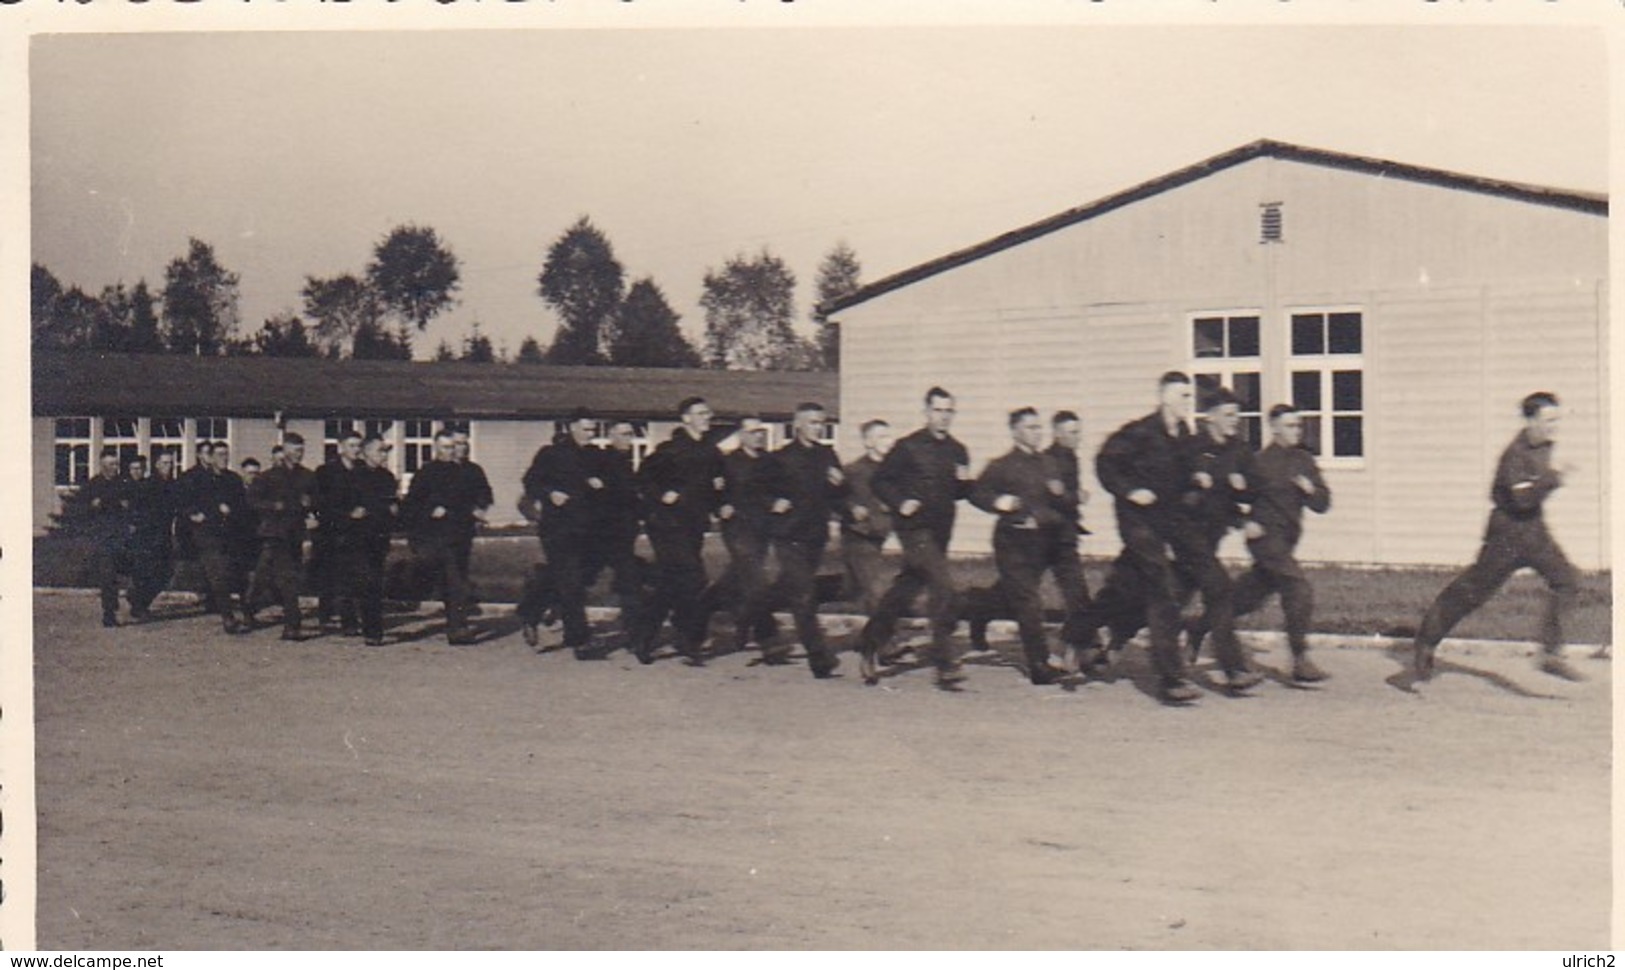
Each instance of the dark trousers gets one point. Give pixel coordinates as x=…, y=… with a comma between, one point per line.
x=215, y=553
x=325, y=571
x=1022, y=556
x=865, y=570
x=1509, y=545
x=358, y=571
x=566, y=566
x=1276, y=570
x=742, y=588
x=1164, y=555
x=797, y=586
x=103, y=568
x=1059, y=554
x=925, y=568
x=149, y=573
x=439, y=562
x=615, y=549
x=278, y=568
x=679, y=575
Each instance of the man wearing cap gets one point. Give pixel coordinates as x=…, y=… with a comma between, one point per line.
x=1516, y=536
x=866, y=521
x=680, y=484
x=284, y=496
x=557, y=484
x=921, y=479
x=807, y=488
x=748, y=493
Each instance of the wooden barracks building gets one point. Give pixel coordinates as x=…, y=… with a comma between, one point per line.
x=1405, y=310
x=144, y=404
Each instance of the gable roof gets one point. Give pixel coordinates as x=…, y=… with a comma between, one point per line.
x=1592, y=202
x=169, y=385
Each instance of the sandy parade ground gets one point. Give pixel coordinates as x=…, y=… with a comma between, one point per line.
x=201, y=791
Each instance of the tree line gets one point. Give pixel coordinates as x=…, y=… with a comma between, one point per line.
x=413, y=277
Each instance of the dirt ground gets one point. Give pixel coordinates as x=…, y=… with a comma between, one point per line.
x=198, y=791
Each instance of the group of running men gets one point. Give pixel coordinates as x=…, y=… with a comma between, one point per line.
x=1177, y=493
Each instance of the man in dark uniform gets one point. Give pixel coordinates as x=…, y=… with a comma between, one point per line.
x=363, y=501
x=331, y=489
x=246, y=533
x=921, y=479
x=284, y=496
x=1147, y=465
x=556, y=483
x=867, y=522
x=185, y=542
x=1516, y=536
x=106, y=499
x=680, y=483
x=808, y=486
x=212, y=499
x=151, y=519
x=1219, y=498
x=479, y=486
x=440, y=513
x=614, y=510
x=984, y=605
x=1282, y=481
x=1023, y=487
x=748, y=493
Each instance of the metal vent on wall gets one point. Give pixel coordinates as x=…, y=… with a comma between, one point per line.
x=1269, y=222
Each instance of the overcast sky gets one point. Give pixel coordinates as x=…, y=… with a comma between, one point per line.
x=293, y=153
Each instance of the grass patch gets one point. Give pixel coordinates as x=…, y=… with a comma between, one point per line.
x=1352, y=602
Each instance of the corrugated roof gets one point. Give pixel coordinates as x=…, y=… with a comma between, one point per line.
x=165, y=385
x=1592, y=202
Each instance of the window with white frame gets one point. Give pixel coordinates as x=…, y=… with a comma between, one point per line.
x=826, y=436
x=1326, y=375
x=167, y=436
x=417, y=446
x=72, y=451
x=123, y=435
x=1225, y=353
x=212, y=429
x=333, y=432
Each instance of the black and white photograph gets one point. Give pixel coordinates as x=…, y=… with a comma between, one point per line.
x=1052, y=483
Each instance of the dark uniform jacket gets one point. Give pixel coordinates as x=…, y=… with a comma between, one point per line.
x=1221, y=506
x=107, y=510
x=444, y=484
x=1278, y=503
x=151, y=516
x=860, y=476
x=614, y=507
x=691, y=468
x=1142, y=454
x=206, y=490
x=478, y=485
x=750, y=488
x=563, y=466
x=1066, y=461
x=802, y=475
x=1523, y=478
x=924, y=467
x=282, y=496
x=1033, y=478
x=331, y=486
x=358, y=487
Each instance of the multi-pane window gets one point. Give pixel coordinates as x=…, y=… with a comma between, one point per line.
x=73, y=451
x=1225, y=353
x=213, y=429
x=333, y=431
x=167, y=436
x=1327, y=377
x=123, y=434
x=827, y=436
x=417, y=445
